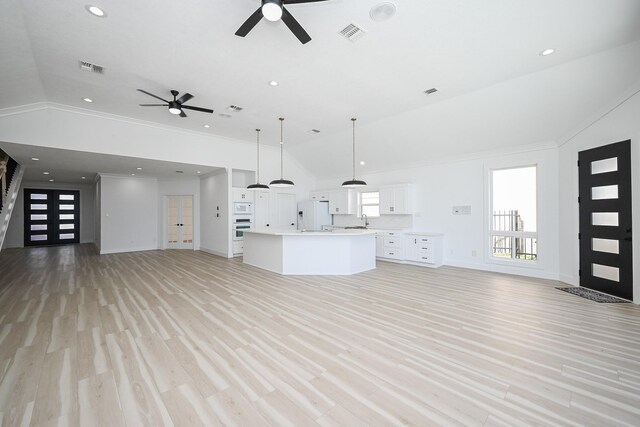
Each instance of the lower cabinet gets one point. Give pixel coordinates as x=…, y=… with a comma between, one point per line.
x=425, y=249
x=407, y=247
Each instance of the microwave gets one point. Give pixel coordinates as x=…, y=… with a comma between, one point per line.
x=242, y=208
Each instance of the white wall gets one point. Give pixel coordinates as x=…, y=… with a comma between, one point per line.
x=187, y=186
x=129, y=217
x=15, y=232
x=439, y=187
x=215, y=220
x=619, y=125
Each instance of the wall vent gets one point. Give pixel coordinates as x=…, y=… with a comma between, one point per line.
x=352, y=32
x=93, y=68
x=430, y=91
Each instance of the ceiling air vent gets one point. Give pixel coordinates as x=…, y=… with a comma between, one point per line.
x=314, y=131
x=352, y=32
x=430, y=91
x=234, y=108
x=88, y=66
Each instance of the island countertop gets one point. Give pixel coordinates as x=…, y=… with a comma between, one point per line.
x=311, y=233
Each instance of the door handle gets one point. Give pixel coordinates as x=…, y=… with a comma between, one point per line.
x=292, y=223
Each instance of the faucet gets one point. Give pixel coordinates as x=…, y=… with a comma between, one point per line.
x=366, y=220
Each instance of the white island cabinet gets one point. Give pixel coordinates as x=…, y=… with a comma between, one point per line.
x=339, y=252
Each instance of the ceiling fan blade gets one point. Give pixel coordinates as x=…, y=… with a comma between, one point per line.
x=202, y=110
x=184, y=98
x=154, y=105
x=250, y=23
x=295, y=27
x=182, y=114
x=150, y=94
x=300, y=1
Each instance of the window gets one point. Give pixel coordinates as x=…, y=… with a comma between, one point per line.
x=370, y=203
x=514, y=222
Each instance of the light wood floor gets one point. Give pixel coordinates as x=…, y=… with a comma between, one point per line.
x=188, y=339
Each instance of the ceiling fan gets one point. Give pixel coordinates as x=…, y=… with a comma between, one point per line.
x=273, y=10
x=176, y=106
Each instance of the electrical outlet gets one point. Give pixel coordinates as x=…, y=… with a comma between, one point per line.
x=474, y=253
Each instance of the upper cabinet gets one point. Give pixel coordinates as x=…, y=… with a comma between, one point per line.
x=242, y=195
x=396, y=200
x=319, y=195
x=341, y=202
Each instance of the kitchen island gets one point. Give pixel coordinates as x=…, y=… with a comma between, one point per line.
x=338, y=252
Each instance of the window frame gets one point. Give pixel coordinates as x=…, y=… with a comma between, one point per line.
x=360, y=204
x=489, y=231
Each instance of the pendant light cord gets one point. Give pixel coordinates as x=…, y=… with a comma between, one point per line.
x=353, y=120
x=281, y=144
x=258, y=150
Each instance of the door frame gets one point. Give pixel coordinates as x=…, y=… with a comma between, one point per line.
x=164, y=223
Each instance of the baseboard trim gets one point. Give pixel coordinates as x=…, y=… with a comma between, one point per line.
x=125, y=250
x=494, y=268
x=214, y=252
x=569, y=280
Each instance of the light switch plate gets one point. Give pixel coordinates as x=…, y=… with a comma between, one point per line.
x=461, y=210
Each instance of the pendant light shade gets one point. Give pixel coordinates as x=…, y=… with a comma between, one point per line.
x=281, y=182
x=257, y=185
x=353, y=182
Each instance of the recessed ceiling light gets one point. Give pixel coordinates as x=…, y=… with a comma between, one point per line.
x=273, y=83
x=382, y=11
x=198, y=172
x=51, y=180
x=133, y=174
x=45, y=173
x=361, y=162
x=84, y=177
x=35, y=159
x=547, y=52
x=206, y=126
x=87, y=99
x=139, y=169
x=95, y=11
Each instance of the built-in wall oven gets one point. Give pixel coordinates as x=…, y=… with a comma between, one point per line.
x=241, y=223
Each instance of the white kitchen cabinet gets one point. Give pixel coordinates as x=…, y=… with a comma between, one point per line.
x=262, y=210
x=379, y=245
x=341, y=202
x=392, y=245
x=242, y=195
x=286, y=211
x=396, y=200
x=319, y=195
x=424, y=248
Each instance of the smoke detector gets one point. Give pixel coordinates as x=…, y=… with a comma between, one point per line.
x=382, y=11
x=352, y=32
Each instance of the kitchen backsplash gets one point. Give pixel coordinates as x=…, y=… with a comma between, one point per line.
x=385, y=221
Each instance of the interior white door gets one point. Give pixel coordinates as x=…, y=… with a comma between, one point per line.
x=179, y=222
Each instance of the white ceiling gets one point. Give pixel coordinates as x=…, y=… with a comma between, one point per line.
x=69, y=166
x=483, y=56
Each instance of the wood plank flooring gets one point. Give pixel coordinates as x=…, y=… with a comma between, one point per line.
x=188, y=339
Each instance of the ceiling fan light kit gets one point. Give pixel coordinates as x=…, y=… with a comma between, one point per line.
x=274, y=10
x=177, y=105
x=353, y=182
x=257, y=185
x=281, y=182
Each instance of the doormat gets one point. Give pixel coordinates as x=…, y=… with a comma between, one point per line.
x=593, y=295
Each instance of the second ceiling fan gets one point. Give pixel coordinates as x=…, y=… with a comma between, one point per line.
x=273, y=10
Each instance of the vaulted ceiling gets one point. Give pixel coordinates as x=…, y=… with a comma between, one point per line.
x=495, y=90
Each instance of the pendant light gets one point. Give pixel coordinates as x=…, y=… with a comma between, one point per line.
x=354, y=182
x=281, y=182
x=257, y=185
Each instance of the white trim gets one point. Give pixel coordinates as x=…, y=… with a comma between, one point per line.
x=511, y=269
x=214, y=252
x=125, y=250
